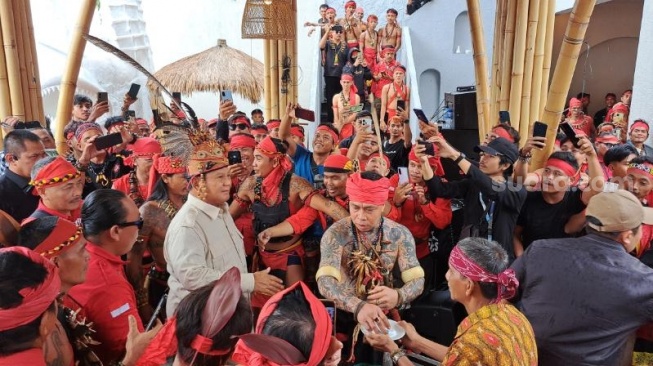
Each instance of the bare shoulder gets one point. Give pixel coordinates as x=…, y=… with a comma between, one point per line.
x=396, y=232
x=339, y=232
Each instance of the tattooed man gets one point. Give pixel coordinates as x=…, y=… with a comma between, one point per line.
x=359, y=255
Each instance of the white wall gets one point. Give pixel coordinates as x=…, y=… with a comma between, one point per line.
x=643, y=88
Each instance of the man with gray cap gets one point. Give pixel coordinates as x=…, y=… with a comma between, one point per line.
x=586, y=297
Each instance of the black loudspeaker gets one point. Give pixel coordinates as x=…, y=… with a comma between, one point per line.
x=465, y=116
x=464, y=141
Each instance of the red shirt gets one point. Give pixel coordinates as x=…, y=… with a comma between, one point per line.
x=106, y=299
x=419, y=218
x=122, y=184
x=31, y=357
x=389, y=69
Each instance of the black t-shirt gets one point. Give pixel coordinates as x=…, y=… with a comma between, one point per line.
x=397, y=153
x=541, y=220
x=335, y=52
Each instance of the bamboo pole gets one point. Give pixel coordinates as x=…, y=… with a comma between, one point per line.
x=267, y=92
x=5, y=100
x=71, y=73
x=538, y=61
x=496, y=56
x=564, y=71
x=22, y=62
x=283, y=97
x=274, y=79
x=548, y=55
x=35, y=60
x=11, y=59
x=519, y=55
x=29, y=87
x=480, y=66
x=508, y=45
x=531, y=33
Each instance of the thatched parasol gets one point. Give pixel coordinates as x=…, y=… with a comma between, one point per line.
x=218, y=68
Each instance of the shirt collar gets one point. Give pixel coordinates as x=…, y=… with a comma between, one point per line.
x=211, y=211
x=51, y=212
x=97, y=250
x=21, y=182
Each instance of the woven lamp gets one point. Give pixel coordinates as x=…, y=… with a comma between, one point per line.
x=269, y=19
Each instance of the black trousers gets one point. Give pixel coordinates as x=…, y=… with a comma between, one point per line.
x=331, y=87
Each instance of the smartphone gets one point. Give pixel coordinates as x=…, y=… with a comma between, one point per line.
x=571, y=134
x=430, y=150
x=504, y=117
x=133, y=90
x=176, y=96
x=331, y=309
x=403, y=175
x=539, y=129
x=234, y=157
x=401, y=104
x=367, y=122
x=356, y=108
x=305, y=114
x=226, y=95
x=105, y=142
x=131, y=114
x=420, y=115
x=102, y=97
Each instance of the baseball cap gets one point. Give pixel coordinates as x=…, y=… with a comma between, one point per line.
x=500, y=146
x=618, y=211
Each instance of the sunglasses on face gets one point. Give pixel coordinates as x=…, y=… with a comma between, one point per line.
x=138, y=223
x=240, y=126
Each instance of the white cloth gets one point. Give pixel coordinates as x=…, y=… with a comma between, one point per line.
x=202, y=243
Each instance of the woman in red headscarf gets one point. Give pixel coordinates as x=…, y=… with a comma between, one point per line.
x=578, y=120
x=273, y=195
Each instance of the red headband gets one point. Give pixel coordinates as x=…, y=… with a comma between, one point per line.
x=59, y=171
x=378, y=155
x=62, y=237
x=502, y=132
x=639, y=124
x=241, y=119
x=146, y=146
x=433, y=161
x=242, y=140
x=297, y=131
x=79, y=132
x=331, y=10
x=220, y=307
x=374, y=192
x=35, y=300
x=163, y=165
x=641, y=169
x=326, y=129
x=573, y=174
x=249, y=351
x=273, y=124
x=385, y=50
x=350, y=4
x=506, y=281
x=372, y=16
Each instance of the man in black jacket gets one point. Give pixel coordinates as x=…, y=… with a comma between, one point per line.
x=492, y=201
x=358, y=68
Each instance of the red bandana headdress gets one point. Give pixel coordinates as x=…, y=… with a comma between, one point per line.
x=164, y=165
x=59, y=171
x=326, y=129
x=361, y=190
x=35, y=300
x=242, y=140
x=506, y=281
x=64, y=235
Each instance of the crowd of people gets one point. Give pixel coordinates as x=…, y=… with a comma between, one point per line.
x=186, y=241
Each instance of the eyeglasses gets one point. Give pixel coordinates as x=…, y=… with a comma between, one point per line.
x=240, y=126
x=608, y=145
x=138, y=223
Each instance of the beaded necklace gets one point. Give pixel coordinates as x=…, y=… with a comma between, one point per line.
x=341, y=47
x=168, y=207
x=134, y=191
x=100, y=177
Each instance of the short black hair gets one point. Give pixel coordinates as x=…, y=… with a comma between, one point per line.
x=35, y=232
x=256, y=111
x=14, y=142
x=293, y=322
x=281, y=145
x=113, y=120
x=363, y=113
x=102, y=209
x=18, y=272
x=393, y=11
x=642, y=160
x=79, y=99
x=567, y=157
x=511, y=166
x=618, y=153
x=189, y=325
x=582, y=94
x=611, y=95
x=259, y=126
x=324, y=6
x=373, y=176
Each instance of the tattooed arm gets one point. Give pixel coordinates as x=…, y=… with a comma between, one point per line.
x=56, y=348
x=309, y=196
x=155, y=225
x=340, y=290
x=242, y=200
x=411, y=273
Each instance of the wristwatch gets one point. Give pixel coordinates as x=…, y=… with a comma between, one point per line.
x=397, y=355
x=460, y=158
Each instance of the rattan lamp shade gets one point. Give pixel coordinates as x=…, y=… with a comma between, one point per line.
x=269, y=19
